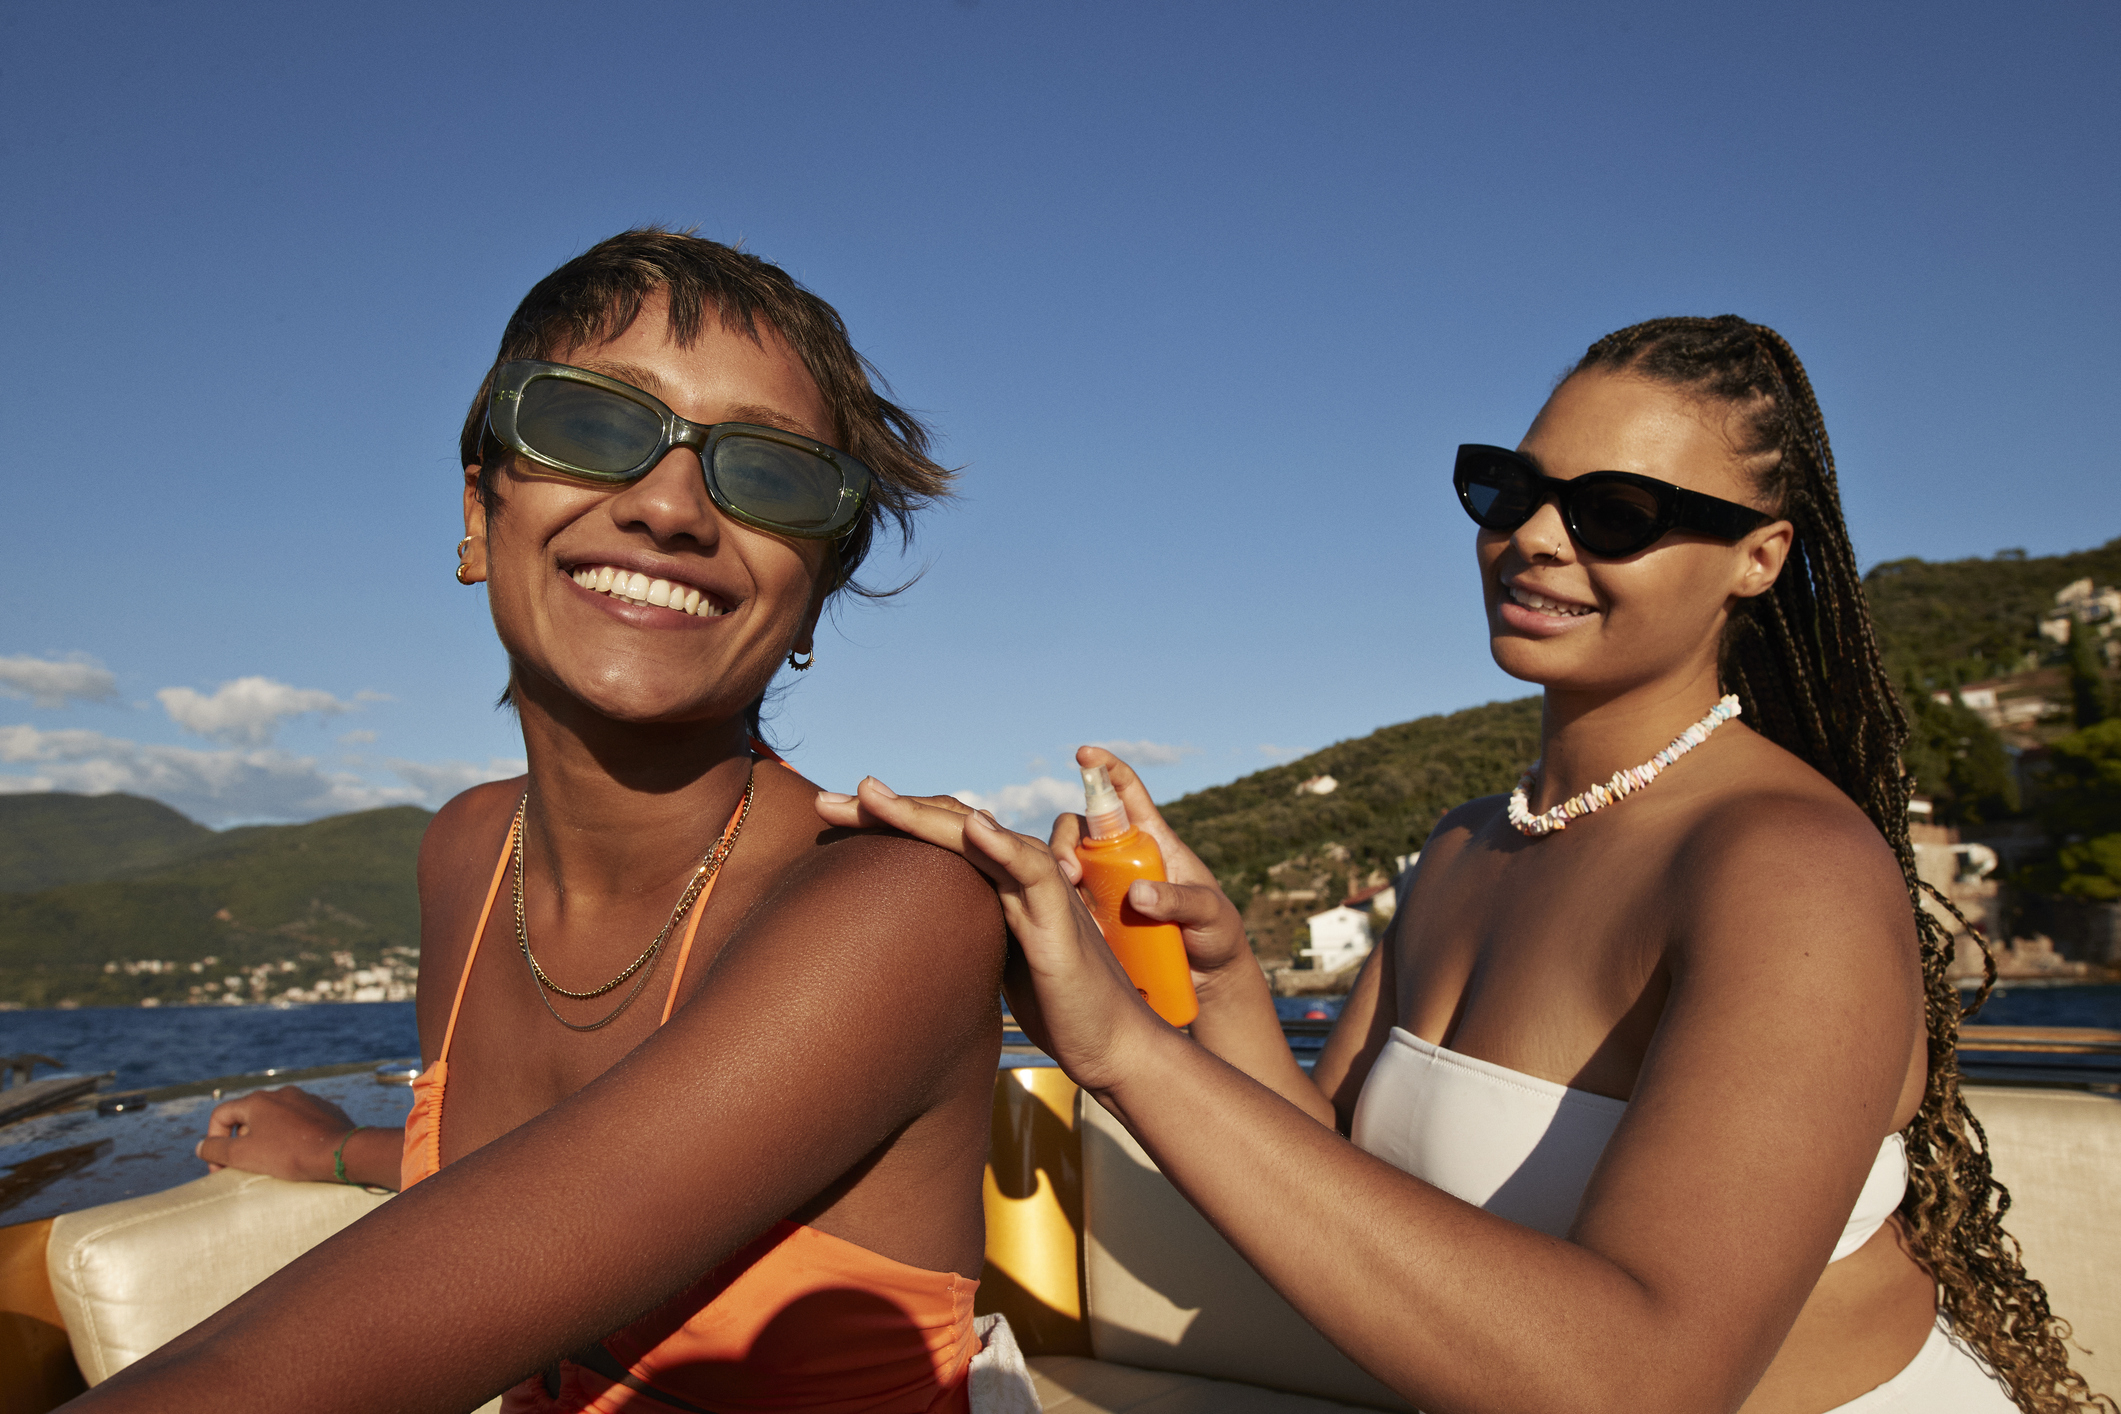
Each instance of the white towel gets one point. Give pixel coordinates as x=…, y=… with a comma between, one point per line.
x=1000, y=1380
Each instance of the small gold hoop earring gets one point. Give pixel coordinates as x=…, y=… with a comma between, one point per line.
x=461, y=545
x=804, y=665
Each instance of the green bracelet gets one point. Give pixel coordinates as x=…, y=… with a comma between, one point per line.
x=338, y=1155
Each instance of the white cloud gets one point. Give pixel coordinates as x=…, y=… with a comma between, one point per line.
x=1033, y=803
x=363, y=737
x=437, y=781
x=1148, y=753
x=248, y=711
x=50, y=682
x=223, y=786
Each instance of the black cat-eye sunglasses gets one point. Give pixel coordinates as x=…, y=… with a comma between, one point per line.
x=1612, y=514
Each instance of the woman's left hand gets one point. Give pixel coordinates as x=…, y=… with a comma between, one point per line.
x=1065, y=987
x=285, y=1133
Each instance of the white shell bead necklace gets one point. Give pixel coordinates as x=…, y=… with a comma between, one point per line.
x=1623, y=784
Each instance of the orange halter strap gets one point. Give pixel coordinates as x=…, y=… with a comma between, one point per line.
x=692, y=923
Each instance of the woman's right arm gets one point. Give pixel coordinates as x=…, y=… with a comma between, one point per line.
x=1679, y=1280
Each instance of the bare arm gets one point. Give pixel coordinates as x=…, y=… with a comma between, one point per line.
x=1772, y=1079
x=827, y=1022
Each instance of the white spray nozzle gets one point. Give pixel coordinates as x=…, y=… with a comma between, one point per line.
x=1108, y=818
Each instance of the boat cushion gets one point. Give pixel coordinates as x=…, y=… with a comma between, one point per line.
x=2058, y=1152
x=1165, y=1292
x=128, y=1276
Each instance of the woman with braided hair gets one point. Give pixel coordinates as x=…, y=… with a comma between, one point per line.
x=1651, y=1084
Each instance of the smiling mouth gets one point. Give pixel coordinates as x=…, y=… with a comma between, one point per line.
x=633, y=587
x=1539, y=603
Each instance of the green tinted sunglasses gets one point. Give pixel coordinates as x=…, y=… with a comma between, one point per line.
x=600, y=429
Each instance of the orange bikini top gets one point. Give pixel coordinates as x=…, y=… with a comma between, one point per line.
x=796, y=1320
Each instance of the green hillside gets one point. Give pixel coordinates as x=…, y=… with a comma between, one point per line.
x=245, y=896
x=47, y=840
x=1393, y=784
x=1953, y=621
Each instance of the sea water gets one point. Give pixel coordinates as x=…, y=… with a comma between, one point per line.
x=153, y=1046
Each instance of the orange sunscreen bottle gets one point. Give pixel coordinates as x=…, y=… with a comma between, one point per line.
x=1113, y=855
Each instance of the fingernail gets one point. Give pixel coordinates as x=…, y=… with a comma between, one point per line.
x=887, y=792
x=1141, y=893
x=988, y=820
x=198, y=1150
x=833, y=797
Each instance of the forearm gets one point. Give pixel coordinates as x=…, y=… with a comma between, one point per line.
x=1238, y=1023
x=372, y=1154
x=1456, y=1308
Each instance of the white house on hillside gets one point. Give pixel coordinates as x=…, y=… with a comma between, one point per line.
x=1339, y=936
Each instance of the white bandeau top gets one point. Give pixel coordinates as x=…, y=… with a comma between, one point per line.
x=1523, y=1148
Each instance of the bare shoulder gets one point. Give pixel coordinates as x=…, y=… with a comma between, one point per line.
x=920, y=922
x=1469, y=819
x=1460, y=825
x=1803, y=838
x=897, y=881
x=456, y=862
x=881, y=871
x=1792, y=887
x=467, y=825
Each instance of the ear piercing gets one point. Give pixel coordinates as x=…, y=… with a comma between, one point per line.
x=461, y=563
x=804, y=665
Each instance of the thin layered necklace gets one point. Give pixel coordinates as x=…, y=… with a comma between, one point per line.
x=1623, y=783
x=709, y=866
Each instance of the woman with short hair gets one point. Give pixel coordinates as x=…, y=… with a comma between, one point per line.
x=717, y=1081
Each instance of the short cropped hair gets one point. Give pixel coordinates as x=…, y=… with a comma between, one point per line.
x=597, y=295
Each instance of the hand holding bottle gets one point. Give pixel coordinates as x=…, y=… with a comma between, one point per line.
x=1208, y=923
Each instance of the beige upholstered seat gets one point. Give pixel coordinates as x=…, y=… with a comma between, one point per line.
x=2059, y=1154
x=1166, y=1293
x=129, y=1276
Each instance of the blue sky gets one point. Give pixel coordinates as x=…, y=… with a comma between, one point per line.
x=1201, y=296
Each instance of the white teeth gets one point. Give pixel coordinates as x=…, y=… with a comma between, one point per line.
x=640, y=589
x=1545, y=605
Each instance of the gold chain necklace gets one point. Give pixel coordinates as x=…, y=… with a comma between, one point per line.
x=710, y=865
